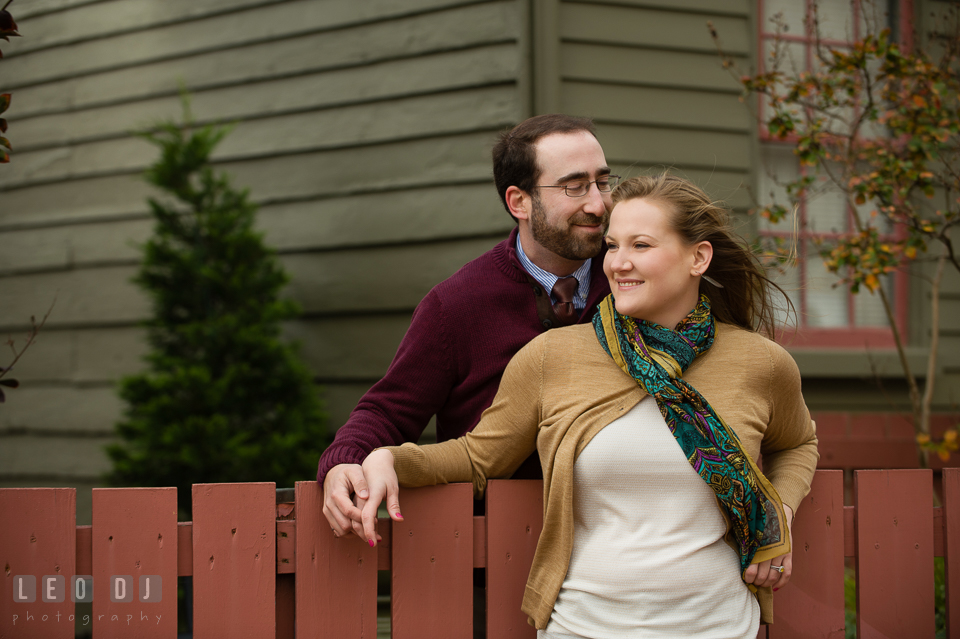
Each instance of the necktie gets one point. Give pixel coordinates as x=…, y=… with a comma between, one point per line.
x=564, y=290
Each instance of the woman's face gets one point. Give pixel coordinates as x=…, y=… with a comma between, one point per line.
x=653, y=272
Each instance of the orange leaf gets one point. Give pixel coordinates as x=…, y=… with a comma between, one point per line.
x=7, y=23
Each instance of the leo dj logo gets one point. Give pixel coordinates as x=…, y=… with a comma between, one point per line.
x=53, y=589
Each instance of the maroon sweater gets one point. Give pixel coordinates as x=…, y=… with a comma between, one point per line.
x=450, y=362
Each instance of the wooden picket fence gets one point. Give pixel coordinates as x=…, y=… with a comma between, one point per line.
x=266, y=570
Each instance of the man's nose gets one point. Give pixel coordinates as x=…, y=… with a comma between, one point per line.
x=595, y=203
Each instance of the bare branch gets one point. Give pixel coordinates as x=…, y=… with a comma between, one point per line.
x=924, y=425
x=31, y=338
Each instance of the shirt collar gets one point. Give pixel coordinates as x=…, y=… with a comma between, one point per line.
x=547, y=279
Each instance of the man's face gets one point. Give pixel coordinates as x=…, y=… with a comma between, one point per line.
x=571, y=227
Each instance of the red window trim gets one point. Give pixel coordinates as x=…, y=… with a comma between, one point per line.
x=850, y=337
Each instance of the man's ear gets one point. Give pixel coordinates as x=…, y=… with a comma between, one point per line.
x=518, y=202
x=702, y=256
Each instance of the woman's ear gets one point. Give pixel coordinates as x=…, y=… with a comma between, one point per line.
x=702, y=256
x=518, y=202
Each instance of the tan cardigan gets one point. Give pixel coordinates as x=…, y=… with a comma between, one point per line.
x=562, y=388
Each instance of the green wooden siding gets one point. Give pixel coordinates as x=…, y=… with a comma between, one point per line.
x=363, y=130
x=649, y=74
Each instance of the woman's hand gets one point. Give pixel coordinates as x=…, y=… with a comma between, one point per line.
x=762, y=575
x=381, y=483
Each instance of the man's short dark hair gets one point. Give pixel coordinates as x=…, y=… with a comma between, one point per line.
x=514, y=156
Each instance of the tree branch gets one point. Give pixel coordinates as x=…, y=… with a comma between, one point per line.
x=31, y=338
x=924, y=426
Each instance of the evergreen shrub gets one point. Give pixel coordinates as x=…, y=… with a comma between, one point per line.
x=224, y=399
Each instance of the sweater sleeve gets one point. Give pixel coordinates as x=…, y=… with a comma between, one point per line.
x=789, y=446
x=397, y=408
x=505, y=436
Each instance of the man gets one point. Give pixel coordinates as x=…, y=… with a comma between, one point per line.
x=554, y=181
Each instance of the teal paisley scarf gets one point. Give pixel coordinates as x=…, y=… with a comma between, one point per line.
x=656, y=358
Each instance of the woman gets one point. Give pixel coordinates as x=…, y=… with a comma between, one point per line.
x=648, y=531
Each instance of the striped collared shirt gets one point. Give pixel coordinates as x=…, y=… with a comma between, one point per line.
x=547, y=280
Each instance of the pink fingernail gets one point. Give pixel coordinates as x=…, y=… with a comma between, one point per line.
x=370, y=541
x=776, y=589
x=399, y=516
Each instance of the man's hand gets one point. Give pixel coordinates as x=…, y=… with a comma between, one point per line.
x=383, y=483
x=765, y=573
x=339, y=486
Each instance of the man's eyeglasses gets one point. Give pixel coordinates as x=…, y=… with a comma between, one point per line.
x=579, y=188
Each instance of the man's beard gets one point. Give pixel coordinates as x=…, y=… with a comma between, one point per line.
x=566, y=242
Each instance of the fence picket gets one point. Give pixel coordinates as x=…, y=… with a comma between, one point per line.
x=894, y=553
x=134, y=535
x=336, y=578
x=234, y=560
x=286, y=606
x=811, y=605
x=37, y=538
x=432, y=576
x=951, y=548
x=514, y=520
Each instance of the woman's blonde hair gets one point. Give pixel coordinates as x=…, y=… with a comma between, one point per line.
x=746, y=299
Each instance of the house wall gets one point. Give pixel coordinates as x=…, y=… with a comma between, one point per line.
x=363, y=131
x=649, y=75
x=933, y=20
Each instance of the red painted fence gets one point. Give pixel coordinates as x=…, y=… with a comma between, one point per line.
x=848, y=441
x=263, y=570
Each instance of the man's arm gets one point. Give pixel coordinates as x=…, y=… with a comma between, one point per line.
x=504, y=438
x=394, y=411
x=342, y=512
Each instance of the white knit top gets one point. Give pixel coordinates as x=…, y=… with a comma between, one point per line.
x=648, y=557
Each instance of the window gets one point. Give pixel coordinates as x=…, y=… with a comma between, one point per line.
x=828, y=315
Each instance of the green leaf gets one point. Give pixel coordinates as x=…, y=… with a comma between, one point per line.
x=4, y=102
x=5, y=142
